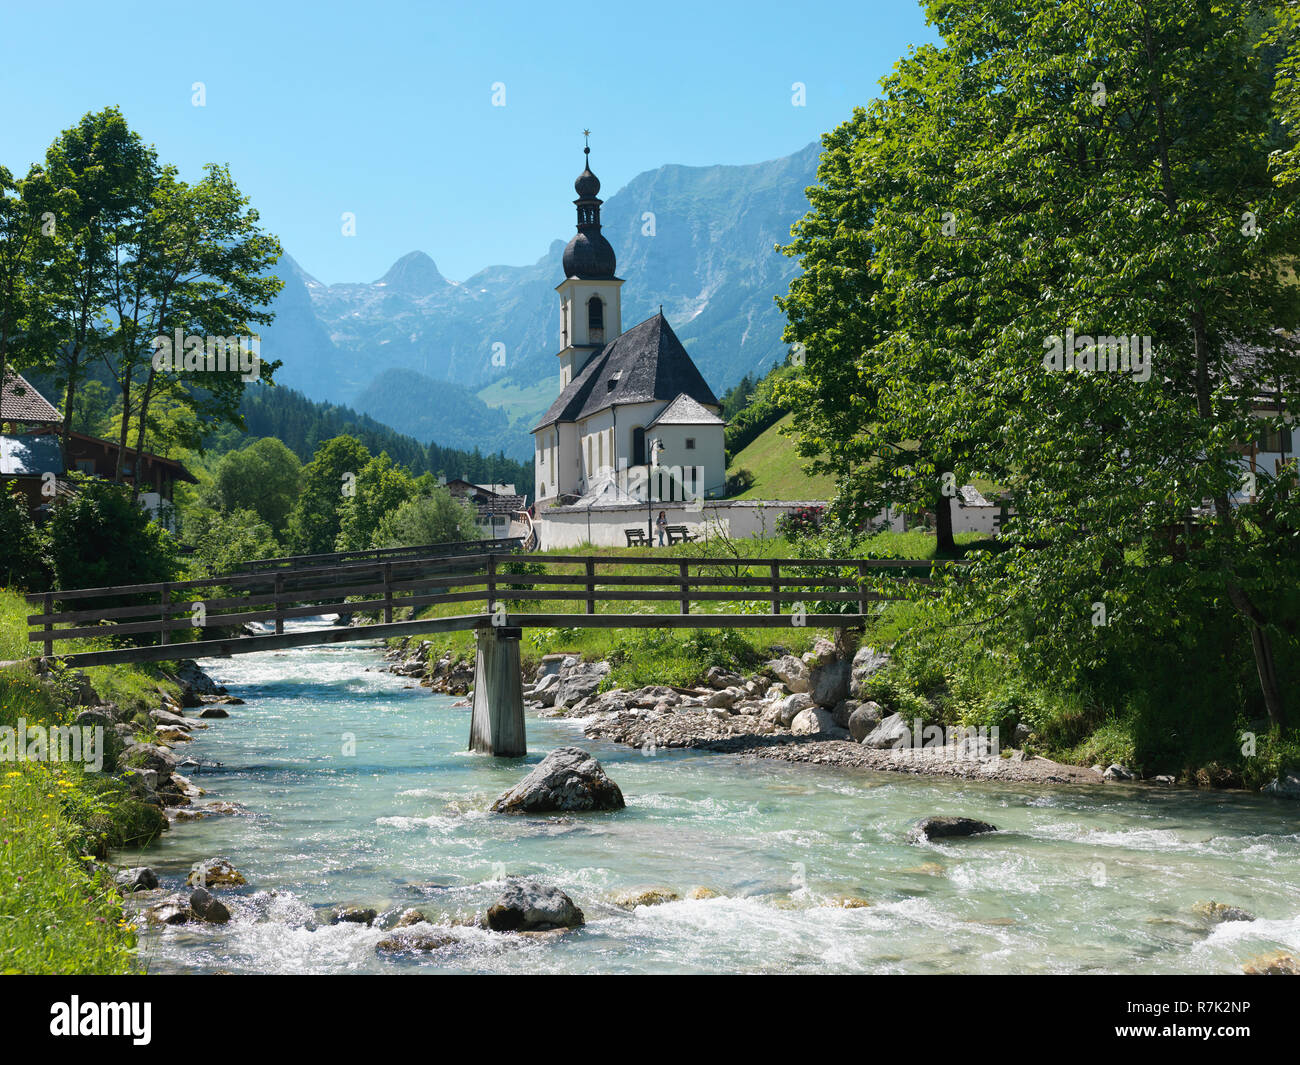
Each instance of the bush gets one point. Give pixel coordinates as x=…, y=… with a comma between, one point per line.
x=23, y=561
x=800, y=524
x=101, y=537
x=436, y=518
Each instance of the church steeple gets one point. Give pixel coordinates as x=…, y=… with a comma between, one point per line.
x=590, y=310
x=589, y=255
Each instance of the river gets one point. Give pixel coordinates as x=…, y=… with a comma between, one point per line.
x=359, y=791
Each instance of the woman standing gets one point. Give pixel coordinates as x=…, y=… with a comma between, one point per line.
x=661, y=523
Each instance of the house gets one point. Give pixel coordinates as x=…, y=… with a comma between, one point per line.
x=495, y=504
x=32, y=455
x=633, y=406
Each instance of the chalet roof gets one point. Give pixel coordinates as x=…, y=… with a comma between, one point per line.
x=20, y=402
x=644, y=364
x=685, y=411
x=30, y=455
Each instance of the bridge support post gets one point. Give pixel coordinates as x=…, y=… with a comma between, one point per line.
x=497, y=726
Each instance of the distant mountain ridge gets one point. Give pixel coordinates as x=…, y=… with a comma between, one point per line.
x=698, y=240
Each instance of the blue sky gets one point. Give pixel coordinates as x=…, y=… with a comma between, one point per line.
x=384, y=109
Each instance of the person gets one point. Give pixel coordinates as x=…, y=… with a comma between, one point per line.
x=661, y=523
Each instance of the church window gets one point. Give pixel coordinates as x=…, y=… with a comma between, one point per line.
x=690, y=443
x=596, y=320
x=638, y=446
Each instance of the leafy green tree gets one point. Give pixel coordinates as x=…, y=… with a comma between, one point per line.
x=22, y=548
x=435, y=518
x=381, y=488
x=100, y=537
x=265, y=477
x=328, y=481
x=224, y=541
x=1061, y=170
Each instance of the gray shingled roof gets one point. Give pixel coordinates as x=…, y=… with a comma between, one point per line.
x=685, y=411
x=20, y=402
x=644, y=364
x=30, y=455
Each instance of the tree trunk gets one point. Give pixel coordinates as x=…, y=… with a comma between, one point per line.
x=945, y=544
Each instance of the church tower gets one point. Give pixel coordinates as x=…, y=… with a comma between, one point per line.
x=590, y=312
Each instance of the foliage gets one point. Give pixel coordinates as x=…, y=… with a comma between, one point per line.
x=99, y=537
x=315, y=520
x=433, y=518
x=264, y=477
x=797, y=524
x=23, y=562
x=380, y=490
x=224, y=541
x=764, y=407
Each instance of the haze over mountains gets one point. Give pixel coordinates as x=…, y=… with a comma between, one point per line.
x=391, y=347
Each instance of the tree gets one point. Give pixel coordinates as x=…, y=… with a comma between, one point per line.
x=224, y=540
x=99, y=537
x=265, y=478
x=435, y=518
x=22, y=548
x=327, y=482
x=1053, y=173
x=381, y=488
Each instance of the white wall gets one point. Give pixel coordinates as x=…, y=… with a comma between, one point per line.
x=603, y=527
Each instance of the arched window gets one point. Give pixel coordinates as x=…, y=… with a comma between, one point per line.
x=638, y=446
x=596, y=320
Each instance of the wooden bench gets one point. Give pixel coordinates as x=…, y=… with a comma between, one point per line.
x=636, y=537
x=677, y=534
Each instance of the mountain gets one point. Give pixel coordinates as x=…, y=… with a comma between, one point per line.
x=698, y=240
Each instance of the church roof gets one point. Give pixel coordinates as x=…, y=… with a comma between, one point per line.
x=20, y=402
x=645, y=364
x=685, y=411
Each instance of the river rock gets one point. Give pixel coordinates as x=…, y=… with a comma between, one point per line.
x=891, y=732
x=581, y=682
x=411, y=917
x=214, y=711
x=864, y=719
x=829, y=683
x=813, y=721
x=531, y=906
x=701, y=894
x=545, y=689
x=724, y=699
x=1219, y=912
x=865, y=663
x=566, y=779
x=215, y=872
x=207, y=908
x=1278, y=963
x=630, y=900
x=791, y=707
x=172, y=910
x=147, y=756
x=353, y=915
x=719, y=678
x=94, y=717
x=406, y=941
x=1286, y=786
x=138, y=878
x=790, y=671
x=929, y=828
x=1117, y=772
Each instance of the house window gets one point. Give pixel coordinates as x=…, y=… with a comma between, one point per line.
x=1267, y=438
x=638, y=446
x=588, y=456
x=596, y=320
x=690, y=443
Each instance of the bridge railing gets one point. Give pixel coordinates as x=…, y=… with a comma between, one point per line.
x=469, y=591
x=380, y=554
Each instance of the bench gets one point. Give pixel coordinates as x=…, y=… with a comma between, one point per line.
x=636, y=537
x=677, y=534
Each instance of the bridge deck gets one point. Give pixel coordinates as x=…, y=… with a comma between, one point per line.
x=142, y=620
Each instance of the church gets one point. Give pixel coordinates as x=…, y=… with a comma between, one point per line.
x=634, y=411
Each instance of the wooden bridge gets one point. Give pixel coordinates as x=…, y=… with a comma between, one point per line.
x=460, y=587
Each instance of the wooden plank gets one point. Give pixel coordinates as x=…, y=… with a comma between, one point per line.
x=775, y=568
x=591, y=586
x=684, y=572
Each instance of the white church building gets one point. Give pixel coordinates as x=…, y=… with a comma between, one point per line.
x=633, y=409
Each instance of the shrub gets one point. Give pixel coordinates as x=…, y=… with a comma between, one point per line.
x=101, y=537
x=23, y=561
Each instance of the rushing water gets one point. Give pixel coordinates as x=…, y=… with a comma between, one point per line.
x=1078, y=880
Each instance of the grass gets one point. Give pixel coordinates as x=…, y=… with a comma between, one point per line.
x=777, y=469
x=59, y=911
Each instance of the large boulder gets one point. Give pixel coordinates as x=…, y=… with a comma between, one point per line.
x=791, y=706
x=207, y=908
x=139, y=878
x=790, y=671
x=813, y=721
x=544, y=690
x=147, y=756
x=865, y=663
x=215, y=872
x=864, y=719
x=930, y=828
x=531, y=906
x=172, y=910
x=891, y=732
x=566, y=779
x=829, y=683
x=581, y=681
x=1287, y=786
